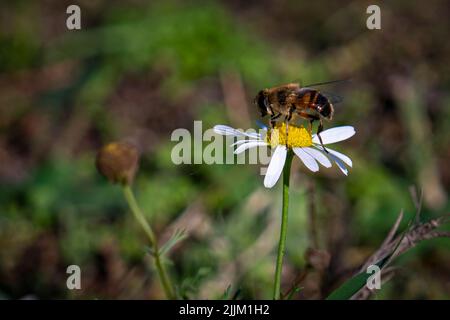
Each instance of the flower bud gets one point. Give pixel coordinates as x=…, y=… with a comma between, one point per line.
x=118, y=161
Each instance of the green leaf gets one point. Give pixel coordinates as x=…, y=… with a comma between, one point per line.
x=292, y=292
x=226, y=294
x=179, y=235
x=352, y=286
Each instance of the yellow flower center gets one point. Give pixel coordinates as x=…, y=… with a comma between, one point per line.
x=296, y=136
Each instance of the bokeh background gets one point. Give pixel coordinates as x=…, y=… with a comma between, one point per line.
x=138, y=70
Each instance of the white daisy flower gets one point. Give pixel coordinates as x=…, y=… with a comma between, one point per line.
x=299, y=140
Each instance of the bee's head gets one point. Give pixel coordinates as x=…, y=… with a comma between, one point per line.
x=326, y=111
x=262, y=103
x=325, y=108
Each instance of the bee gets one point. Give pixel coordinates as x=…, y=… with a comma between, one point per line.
x=292, y=101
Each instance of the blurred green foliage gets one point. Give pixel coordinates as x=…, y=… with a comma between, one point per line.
x=137, y=71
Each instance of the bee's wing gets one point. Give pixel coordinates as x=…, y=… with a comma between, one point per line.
x=334, y=98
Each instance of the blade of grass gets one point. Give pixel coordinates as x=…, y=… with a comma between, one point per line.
x=353, y=285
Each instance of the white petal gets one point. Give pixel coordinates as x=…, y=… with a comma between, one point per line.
x=334, y=135
x=307, y=159
x=229, y=131
x=253, y=135
x=339, y=155
x=249, y=145
x=276, y=166
x=339, y=163
x=239, y=142
x=319, y=156
x=226, y=130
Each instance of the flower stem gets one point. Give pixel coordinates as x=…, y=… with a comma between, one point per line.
x=162, y=273
x=283, y=230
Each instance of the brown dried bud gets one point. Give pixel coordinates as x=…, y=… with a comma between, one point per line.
x=118, y=161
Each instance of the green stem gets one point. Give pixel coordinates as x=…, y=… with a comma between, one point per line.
x=162, y=273
x=283, y=230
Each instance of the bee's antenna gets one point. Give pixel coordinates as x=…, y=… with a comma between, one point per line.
x=327, y=82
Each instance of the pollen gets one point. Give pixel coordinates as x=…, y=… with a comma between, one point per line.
x=296, y=136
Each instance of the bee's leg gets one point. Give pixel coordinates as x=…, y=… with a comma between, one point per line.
x=288, y=118
x=273, y=118
x=319, y=130
x=311, y=118
x=310, y=125
x=286, y=121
